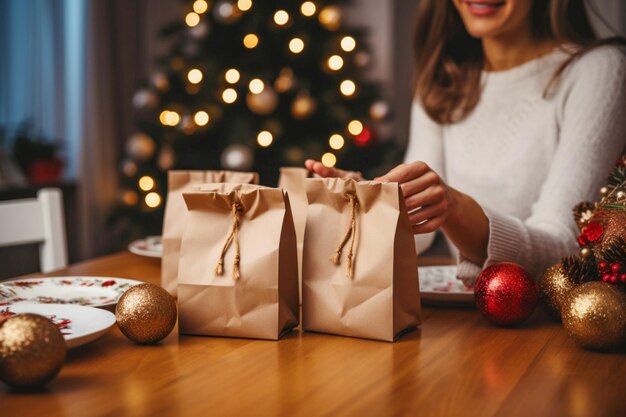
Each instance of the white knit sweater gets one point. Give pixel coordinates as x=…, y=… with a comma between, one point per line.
x=528, y=160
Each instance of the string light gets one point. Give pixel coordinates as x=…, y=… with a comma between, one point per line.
x=336, y=141
x=335, y=62
x=244, y=5
x=192, y=19
x=232, y=76
x=169, y=118
x=348, y=43
x=194, y=76
x=130, y=198
x=250, y=40
x=153, y=200
x=330, y=17
x=129, y=168
x=281, y=17
x=201, y=118
x=296, y=45
x=308, y=8
x=162, y=117
x=329, y=160
x=146, y=183
x=200, y=6
x=264, y=138
x=355, y=127
x=347, y=87
x=229, y=95
x=256, y=86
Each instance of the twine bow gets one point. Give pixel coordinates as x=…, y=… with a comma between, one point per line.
x=350, y=233
x=233, y=235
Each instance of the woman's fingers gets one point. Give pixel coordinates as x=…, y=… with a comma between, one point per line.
x=418, y=184
x=428, y=212
x=322, y=170
x=428, y=226
x=405, y=172
x=427, y=197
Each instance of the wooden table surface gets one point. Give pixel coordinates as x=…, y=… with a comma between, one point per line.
x=456, y=364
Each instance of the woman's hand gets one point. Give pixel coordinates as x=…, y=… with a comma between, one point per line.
x=322, y=170
x=432, y=205
x=426, y=196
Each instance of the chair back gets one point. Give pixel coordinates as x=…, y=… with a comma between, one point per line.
x=38, y=220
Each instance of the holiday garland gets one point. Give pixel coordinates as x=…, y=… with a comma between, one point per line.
x=602, y=239
x=588, y=290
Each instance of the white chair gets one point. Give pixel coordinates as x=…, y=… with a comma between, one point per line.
x=37, y=220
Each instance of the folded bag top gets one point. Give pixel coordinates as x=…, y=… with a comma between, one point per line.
x=175, y=217
x=238, y=267
x=359, y=264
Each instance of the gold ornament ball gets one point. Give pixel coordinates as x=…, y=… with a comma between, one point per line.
x=285, y=80
x=303, y=106
x=146, y=313
x=264, y=102
x=140, y=146
x=554, y=287
x=594, y=314
x=32, y=351
x=379, y=110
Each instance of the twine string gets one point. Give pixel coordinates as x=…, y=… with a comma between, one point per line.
x=349, y=236
x=233, y=235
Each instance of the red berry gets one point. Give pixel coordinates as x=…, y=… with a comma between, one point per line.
x=614, y=278
x=602, y=266
x=623, y=278
x=616, y=267
x=606, y=277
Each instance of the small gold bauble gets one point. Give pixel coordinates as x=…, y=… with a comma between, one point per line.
x=604, y=190
x=594, y=314
x=146, y=313
x=585, y=252
x=554, y=286
x=32, y=351
x=303, y=106
x=264, y=102
x=285, y=80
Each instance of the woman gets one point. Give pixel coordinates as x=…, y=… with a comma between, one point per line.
x=519, y=115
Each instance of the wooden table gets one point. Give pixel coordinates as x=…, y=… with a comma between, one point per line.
x=456, y=364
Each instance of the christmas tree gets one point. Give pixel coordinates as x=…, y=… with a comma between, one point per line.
x=251, y=85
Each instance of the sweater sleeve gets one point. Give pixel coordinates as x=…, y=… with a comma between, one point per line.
x=592, y=136
x=426, y=145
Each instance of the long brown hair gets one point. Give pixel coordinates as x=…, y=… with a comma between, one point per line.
x=449, y=61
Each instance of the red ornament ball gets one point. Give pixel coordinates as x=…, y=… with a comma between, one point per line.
x=364, y=138
x=506, y=294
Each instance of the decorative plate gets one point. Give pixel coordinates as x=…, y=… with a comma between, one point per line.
x=439, y=285
x=78, y=324
x=151, y=246
x=86, y=291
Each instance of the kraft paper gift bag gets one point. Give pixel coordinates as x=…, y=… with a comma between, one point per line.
x=238, y=273
x=292, y=180
x=359, y=270
x=176, y=213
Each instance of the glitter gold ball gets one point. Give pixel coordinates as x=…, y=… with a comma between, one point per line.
x=594, y=314
x=554, y=287
x=146, y=313
x=32, y=351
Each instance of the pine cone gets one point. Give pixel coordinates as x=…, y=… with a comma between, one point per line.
x=611, y=250
x=578, y=269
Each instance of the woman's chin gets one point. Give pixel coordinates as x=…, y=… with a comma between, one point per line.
x=483, y=30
